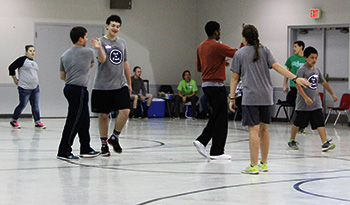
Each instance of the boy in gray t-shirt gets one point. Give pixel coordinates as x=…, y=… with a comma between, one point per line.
x=75, y=65
x=112, y=86
x=308, y=105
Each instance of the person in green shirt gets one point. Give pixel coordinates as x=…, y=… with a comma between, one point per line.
x=187, y=91
x=293, y=64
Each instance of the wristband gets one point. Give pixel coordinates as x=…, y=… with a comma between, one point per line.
x=295, y=79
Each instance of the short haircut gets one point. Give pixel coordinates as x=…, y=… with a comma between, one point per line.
x=183, y=74
x=211, y=27
x=300, y=43
x=136, y=67
x=115, y=18
x=309, y=50
x=76, y=33
x=27, y=47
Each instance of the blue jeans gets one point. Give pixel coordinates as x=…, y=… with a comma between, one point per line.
x=25, y=96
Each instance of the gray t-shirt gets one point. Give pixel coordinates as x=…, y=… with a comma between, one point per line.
x=27, y=72
x=76, y=62
x=314, y=76
x=137, y=86
x=257, y=84
x=110, y=74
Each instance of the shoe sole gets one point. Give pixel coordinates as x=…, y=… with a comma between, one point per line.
x=106, y=154
x=199, y=149
x=292, y=148
x=328, y=148
x=214, y=158
x=40, y=128
x=244, y=172
x=66, y=159
x=89, y=155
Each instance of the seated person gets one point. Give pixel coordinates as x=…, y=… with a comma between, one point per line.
x=137, y=86
x=187, y=91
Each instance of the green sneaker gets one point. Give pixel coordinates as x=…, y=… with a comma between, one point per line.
x=251, y=170
x=293, y=144
x=263, y=167
x=301, y=131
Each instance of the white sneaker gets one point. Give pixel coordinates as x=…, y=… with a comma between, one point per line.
x=221, y=157
x=200, y=148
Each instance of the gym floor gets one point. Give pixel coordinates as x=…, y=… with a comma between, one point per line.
x=159, y=165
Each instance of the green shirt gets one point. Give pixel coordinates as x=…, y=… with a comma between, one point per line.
x=294, y=63
x=187, y=88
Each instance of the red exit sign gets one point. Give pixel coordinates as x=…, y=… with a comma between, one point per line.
x=315, y=13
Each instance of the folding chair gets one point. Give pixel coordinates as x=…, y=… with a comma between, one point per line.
x=343, y=106
x=284, y=105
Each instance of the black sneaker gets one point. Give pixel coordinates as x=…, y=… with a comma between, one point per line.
x=105, y=151
x=293, y=144
x=328, y=145
x=68, y=157
x=114, y=141
x=91, y=154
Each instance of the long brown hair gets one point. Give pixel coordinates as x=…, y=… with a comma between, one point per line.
x=250, y=33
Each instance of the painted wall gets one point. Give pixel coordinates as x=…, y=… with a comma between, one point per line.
x=162, y=35
x=271, y=17
x=159, y=35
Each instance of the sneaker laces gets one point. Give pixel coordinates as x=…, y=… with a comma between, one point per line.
x=328, y=141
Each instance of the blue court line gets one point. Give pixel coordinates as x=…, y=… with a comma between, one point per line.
x=297, y=187
x=214, y=189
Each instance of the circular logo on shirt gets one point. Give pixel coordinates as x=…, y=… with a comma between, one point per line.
x=313, y=80
x=116, y=56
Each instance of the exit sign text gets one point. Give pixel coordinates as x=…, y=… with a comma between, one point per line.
x=315, y=13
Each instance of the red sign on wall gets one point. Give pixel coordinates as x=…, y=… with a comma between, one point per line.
x=315, y=13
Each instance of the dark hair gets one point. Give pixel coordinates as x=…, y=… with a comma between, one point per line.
x=76, y=33
x=115, y=18
x=211, y=27
x=309, y=50
x=250, y=33
x=136, y=67
x=300, y=43
x=27, y=47
x=183, y=74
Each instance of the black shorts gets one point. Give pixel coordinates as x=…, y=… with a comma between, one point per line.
x=253, y=115
x=315, y=118
x=106, y=101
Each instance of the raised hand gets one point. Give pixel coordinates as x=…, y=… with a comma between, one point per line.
x=95, y=42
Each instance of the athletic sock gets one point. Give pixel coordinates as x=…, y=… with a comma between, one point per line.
x=103, y=141
x=116, y=133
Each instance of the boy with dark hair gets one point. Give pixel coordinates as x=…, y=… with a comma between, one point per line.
x=293, y=63
x=75, y=66
x=309, y=106
x=112, y=86
x=211, y=62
